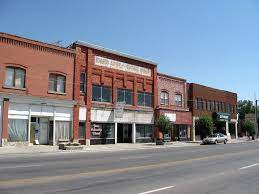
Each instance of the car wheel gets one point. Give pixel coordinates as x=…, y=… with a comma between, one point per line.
x=216, y=142
x=225, y=141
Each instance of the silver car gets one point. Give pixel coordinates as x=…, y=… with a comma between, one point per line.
x=215, y=138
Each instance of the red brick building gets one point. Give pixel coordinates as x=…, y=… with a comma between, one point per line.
x=116, y=97
x=36, y=91
x=172, y=102
x=216, y=103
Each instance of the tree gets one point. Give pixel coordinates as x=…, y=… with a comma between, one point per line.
x=245, y=107
x=163, y=123
x=249, y=128
x=205, y=126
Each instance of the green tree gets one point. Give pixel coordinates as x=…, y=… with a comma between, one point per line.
x=245, y=107
x=249, y=128
x=163, y=124
x=205, y=126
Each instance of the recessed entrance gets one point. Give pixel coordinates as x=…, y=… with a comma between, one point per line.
x=40, y=130
x=124, y=133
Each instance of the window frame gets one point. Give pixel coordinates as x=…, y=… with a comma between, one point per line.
x=145, y=94
x=56, y=83
x=101, y=98
x=14, y=69
x=163, y=100
x=124, y=96
x=83, y=82
x=176, y=101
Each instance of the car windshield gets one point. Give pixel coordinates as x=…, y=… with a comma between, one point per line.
x=214, y=135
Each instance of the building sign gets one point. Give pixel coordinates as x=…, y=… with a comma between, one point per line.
x=171, y=116
x=105, y=62
x=223, y=116
x=119, y=110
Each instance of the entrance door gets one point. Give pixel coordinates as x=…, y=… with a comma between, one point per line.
x=183, y=133
x=124, y=133
x=43, y=130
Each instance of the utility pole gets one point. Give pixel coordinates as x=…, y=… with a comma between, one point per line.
x=256, y=119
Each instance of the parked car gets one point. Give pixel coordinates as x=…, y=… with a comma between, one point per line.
x=215, y=138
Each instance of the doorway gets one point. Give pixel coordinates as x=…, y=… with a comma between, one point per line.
x=124, y=133
x=39, y=130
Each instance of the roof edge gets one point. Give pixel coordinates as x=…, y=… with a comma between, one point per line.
x=171, y=77
x=100, y=48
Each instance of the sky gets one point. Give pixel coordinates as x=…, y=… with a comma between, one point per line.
x=214, y=43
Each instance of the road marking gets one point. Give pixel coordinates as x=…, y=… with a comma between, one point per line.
x=20, y=166
x=155, y=190
x=245, y=167
x=68, y=177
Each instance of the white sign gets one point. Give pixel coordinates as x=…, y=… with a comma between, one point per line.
x=119, y=109
x=171, y=116
x=105, y=62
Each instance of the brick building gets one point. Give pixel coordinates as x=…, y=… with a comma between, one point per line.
x=172, y=102
x=36, y=91
x=116, y=97
x=219, y=104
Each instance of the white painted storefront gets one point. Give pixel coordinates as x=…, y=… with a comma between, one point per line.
x=44, y=118
x=128, y=117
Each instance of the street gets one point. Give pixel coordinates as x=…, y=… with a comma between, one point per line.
x=230, y=168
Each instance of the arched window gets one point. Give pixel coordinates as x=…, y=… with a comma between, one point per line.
x=57, y=83
x=15, y=77
x=164, y=98
x=178, y=100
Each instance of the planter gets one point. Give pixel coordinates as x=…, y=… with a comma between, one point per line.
x=70, y=146
x=160, y=142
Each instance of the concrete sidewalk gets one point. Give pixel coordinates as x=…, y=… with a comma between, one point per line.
x=103, y=148
x=93, y=148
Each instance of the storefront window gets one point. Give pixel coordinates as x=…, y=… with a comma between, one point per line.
x=144, y=131
x=63, y=130
x=125, y=96
x=102, y=130
x=17, y=130
x=101, y=93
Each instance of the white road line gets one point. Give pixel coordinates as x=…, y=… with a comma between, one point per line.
x=245, y=167
x=155, y=190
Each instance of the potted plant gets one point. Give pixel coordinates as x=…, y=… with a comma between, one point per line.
x=163, y=123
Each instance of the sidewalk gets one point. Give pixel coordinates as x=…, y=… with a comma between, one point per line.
x=93, y=148
x=105, y=148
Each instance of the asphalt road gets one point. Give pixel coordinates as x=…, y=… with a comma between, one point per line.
x=230, y=168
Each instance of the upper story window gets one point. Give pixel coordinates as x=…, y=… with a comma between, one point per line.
x=82, y=83
x=57, y=83
x=125, y=96
x=178, y=100
x=15, y=77
x=145, y=99
x=101, y=94
x=164, y=98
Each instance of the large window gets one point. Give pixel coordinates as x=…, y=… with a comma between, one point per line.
x=101, y=94
x=15, y=77
x=57, y=83
x=178, y=100
x=17, y=130
x=125, y=96
x=82, y=82
x=102, y=131
x=164, y=98
x=63, y=130
x=145, y=99
x=144, y=131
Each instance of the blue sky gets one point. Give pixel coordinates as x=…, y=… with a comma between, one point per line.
x=215, y=43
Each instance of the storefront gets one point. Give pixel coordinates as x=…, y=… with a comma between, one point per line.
x=32, y=120
x=131, y=127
